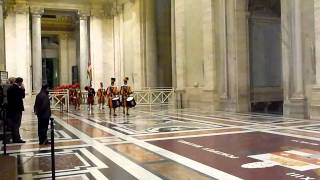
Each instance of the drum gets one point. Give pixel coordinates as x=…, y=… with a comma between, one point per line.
x=116, y=102
x=131, y=102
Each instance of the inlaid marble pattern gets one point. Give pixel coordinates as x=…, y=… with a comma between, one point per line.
x=166, y=143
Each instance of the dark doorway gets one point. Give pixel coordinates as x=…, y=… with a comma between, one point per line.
x=265, y=56
x=50, y=75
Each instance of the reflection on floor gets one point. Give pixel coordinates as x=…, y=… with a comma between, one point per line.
x=165, y=143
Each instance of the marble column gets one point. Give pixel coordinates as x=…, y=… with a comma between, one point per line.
x=173, y=46
x=118, y=43
x=2, y=39
x=317, y=39
x=209, y=63
x=221, y=36
x=96, y=44
x=208, y=45
x=179, y=35
x=314, y=108
x=180, y=44
x=297, y=51
x=64, y=59
x=84, y=49
x=151, y=43
x=138, y=31
x=234, y=86
x=294, y=95
x=36, y=49
x=23, y=46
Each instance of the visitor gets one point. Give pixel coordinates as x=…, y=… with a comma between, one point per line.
x=15, y=96
x=43, y=112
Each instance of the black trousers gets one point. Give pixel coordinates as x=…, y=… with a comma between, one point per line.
x=43, y=124
x=14, y=123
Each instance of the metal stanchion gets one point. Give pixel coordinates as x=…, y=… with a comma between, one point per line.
x=53, y=166
x=4, y=114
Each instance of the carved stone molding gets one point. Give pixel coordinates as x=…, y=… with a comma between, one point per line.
x=100, y=13
x=83, y=14
x=64, y=36
x=36, y=11
x=21, y=9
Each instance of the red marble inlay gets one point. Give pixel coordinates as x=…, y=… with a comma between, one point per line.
x=230, y=153
x=87, y=129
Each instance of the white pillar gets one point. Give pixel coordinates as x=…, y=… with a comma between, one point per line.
x=23, y=46
x=36, y=49
x=294, y=95
x=314, y=107
x=223, y=89
x=151, y=43
x=84, y=49
x=208, y=45
x=96, y=44
x=180, y=44
x=64, y=59
x=297, y=50
x=317, y=38
x=2, y=39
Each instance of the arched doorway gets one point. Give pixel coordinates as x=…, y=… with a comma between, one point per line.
x=266, y=92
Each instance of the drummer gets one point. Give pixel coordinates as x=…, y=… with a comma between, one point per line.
x=125, y=91
x=112, y=92
x=101, y=96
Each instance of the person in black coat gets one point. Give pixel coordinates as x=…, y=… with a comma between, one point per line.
x=15, y=96
x=43, y=112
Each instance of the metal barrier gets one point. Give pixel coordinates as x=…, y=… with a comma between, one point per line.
x=155, y=96
x=147, y=96
x=59, y=100
x=3, y=114
x=84, y=97
x=53, y=163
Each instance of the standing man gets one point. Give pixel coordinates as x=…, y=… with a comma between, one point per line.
x=125, y=91
x=10, y=82
x=90, y=99
x=101, y=96
x=15, y=96
x=43, y=112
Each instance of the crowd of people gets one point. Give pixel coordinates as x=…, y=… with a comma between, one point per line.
x=114, y=96
x=13, y=93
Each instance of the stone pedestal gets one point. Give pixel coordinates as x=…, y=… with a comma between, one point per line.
x=314, y=108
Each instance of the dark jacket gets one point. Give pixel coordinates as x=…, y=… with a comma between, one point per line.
x=42, y=105
x=15, y=95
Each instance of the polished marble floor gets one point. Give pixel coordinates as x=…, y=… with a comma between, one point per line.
x=165, y=143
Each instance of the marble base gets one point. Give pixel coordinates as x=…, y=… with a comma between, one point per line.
x=197, y=98
x=295, y=108
x=315, y=103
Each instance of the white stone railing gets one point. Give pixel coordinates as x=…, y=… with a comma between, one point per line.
x=59, y=100
x=154, y=96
